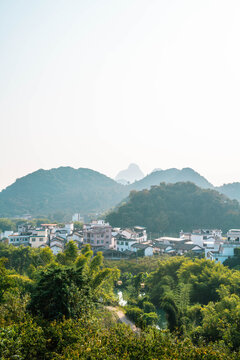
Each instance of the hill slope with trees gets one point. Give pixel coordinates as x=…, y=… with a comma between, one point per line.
x=230, y=190
x=168, y=208
x=171, y=176
x=62, y=189
x=65, y=190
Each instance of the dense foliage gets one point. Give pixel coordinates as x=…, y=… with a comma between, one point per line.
x=167, y=209
x=58, y=309
x=135, y=265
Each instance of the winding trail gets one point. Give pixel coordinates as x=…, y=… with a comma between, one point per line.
x=122, y=317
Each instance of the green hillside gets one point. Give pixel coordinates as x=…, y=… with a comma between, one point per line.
x=68, y=190
x=230, y=190
x=171, y=176
x=167, y=209
x=63, y=189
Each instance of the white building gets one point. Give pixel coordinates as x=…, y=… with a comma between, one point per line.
x=17, y=239
x=77, y=217
x=57, y=244
x=145, y=248
x=138, y=233
x=200, y=236
x=37, y=240
x=123, y=243
x=233, y=235
x=226, y=248
x=6, y=234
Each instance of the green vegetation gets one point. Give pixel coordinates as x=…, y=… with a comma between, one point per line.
x=230, y=190
x=12, y=224
x=74, y=190
x=167, y=209
x=56, y=307
x=136, y=265
x=234, y=261
x=58, y=193
x=171, y=176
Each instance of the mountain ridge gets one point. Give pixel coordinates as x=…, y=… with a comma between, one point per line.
x=171, y=175
x=84, y=190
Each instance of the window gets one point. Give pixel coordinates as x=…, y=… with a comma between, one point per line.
x=41, y=239
x=98, y=241
x=102, y=241
x=33, y=239
x=126, y=243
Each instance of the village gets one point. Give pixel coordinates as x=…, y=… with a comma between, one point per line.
x=124, y=243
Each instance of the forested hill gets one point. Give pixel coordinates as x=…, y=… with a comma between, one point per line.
x=63, y=189
x=230, y=190
x=168, y=208
x=171, y=176
x=66, y=190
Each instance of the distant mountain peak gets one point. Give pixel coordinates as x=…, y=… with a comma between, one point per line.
x=131, y=174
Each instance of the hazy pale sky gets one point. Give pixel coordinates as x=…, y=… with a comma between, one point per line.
x=103, y=83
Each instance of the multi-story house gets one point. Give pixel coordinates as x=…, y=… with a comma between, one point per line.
x=198, y=237
x=138, y=233
x=18, y=239
x=226, y=248
x=57, y=244
x=29, y=236
x=98, y=234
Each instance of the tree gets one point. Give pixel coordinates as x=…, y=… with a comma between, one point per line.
x=60, y=291
x=71, y=252
x=78, y=225
x=63, y=291
x=5, y=282
x=6, y=224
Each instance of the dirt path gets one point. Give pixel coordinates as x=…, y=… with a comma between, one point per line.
x=122, y=317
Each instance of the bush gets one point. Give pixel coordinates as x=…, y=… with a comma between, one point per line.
x=149, y=319
x=135, y=314
x=148, y=307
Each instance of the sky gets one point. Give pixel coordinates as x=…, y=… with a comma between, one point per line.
x=103, y=83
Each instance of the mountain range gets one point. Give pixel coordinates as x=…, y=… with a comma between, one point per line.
x=69, y=190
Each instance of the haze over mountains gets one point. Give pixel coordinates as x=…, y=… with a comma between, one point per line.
x=63, y=189
x=129, y=175
x=69, y=190
x=171, y=176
